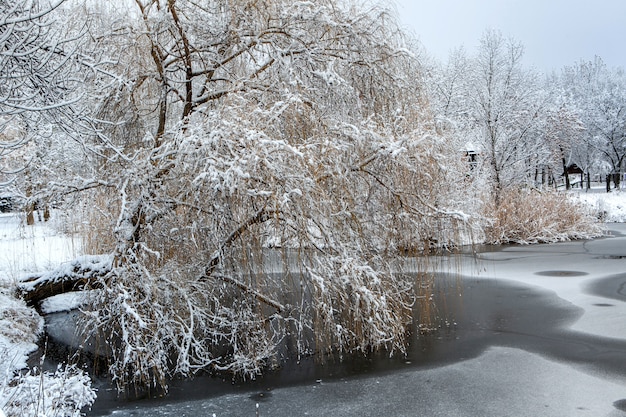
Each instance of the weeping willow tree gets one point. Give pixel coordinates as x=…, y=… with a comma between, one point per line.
x=261, y=165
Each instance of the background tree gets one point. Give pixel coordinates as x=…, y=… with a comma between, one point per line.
x=505, y=102
x=599, y=95
x=563, y=134
x=491, y=105
x=34, y=70
x=43, y=66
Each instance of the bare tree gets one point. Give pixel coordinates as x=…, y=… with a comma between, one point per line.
x=598, y=94
x=505, y=105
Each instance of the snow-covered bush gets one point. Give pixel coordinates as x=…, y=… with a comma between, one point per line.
x=530, y=216
x=20, y=326
x=63, y=393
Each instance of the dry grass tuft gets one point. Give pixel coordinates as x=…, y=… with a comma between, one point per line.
x=530, y=216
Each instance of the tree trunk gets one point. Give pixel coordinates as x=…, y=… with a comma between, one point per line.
x=568, y=185
x=30, y=214
x=34, y=295
x=30, y=205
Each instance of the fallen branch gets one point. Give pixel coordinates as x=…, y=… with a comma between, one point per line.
x=81, y=273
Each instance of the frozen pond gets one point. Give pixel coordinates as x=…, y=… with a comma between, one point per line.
x=531, y=331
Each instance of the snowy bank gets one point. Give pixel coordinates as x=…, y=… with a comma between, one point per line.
x=20, y=327
x=610, y=207
x=24, y=251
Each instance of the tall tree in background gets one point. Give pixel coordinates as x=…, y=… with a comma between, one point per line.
x=491, y=103
x=33, y=59
x=505, y=102
x=599, y=95
x=563, y=133
x=42, y=73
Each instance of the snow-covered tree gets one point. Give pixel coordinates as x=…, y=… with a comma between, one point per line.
x=490, y=102
x=43, y=69
x=226, y=129
x=513, y=134
x=599, y=95
x=563, y=132
x=35, y=62
x=505, y=107
x=449, y=90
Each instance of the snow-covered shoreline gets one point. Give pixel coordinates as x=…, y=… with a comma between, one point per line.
x=26, y=250
x=611, y=206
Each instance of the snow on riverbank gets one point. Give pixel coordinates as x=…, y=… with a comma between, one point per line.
x=611, y=206
x=20, y=328
x=36, y=248
x=23, y=250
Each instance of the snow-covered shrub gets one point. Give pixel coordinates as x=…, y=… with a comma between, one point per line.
x=20, y=326
x=529, y=216
x=63, y=393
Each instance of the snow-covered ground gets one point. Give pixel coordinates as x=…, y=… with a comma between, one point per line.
x=611, y=205
x=37, y=248
x=23, y=250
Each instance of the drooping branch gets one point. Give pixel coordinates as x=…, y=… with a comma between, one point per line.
x=245, y=288
x=261, y=216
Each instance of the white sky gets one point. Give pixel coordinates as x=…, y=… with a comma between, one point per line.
x=555, y=33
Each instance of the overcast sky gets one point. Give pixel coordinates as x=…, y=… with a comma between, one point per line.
x=554, y=33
